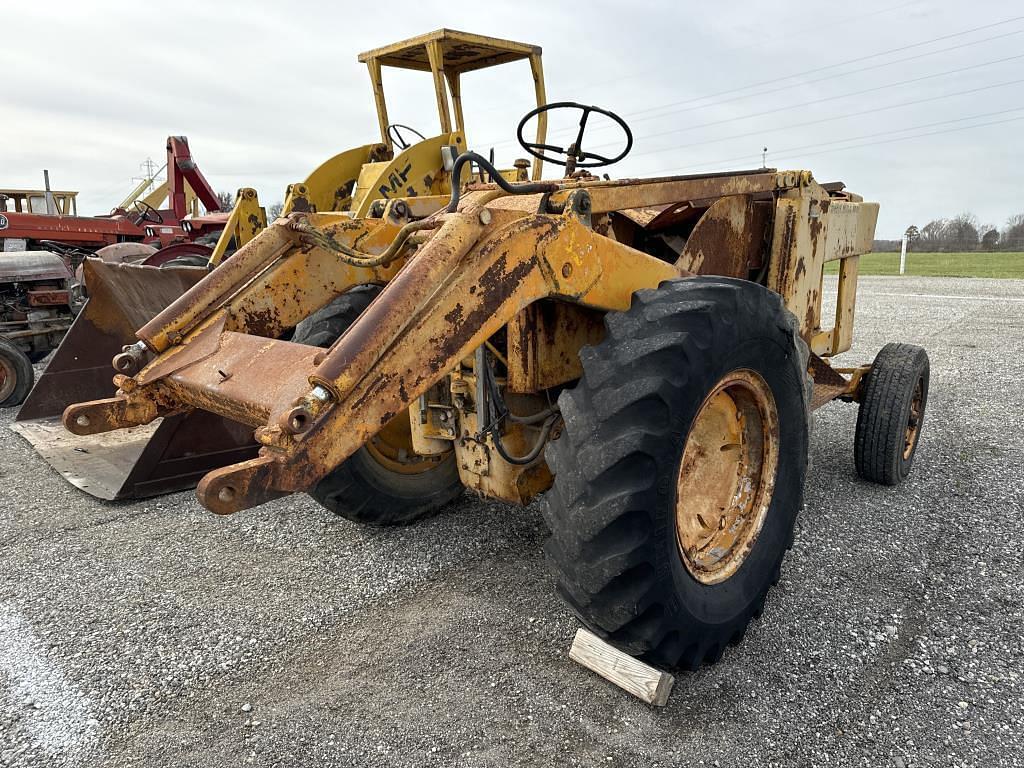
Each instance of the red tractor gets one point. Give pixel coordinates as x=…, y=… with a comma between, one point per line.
x=33, y=229
x=43, y=243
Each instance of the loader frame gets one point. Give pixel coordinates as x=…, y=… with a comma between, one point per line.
x=537, y=270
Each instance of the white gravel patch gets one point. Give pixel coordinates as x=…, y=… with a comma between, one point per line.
x=57, y=716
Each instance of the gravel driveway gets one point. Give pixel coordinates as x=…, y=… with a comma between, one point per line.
x=155, y=633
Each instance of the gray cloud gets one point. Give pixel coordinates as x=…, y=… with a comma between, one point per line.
x=267, y=91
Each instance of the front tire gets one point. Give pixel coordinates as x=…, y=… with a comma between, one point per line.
x=680, y=471
x=16, y=375
x=891, y=414
x=384, y=482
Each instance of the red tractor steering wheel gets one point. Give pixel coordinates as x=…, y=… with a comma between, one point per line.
x=147, y=213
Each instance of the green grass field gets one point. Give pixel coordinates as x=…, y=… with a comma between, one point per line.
x=942, y=264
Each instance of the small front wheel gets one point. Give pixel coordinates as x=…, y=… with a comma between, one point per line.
x=891, y=414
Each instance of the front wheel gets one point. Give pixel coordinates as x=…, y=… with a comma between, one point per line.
x=16, y=375
x=680, y=471
x=891, y=414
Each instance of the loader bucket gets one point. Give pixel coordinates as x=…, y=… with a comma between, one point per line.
x=171, y=454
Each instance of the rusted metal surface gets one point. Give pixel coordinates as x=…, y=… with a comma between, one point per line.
x=53, y=297
x=638, y=193
x=729, y=238
x=727, y=476
x=171, y=324
x=810, y=229
x=484, y=288
x=544, y=341
x=122, y=298
x=28, y=266
x=914, y=418
x=245, y=376
x=168, y=455
x=830, y=383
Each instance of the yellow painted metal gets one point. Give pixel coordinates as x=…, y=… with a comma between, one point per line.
x=446, y=54
x=544, y=341
x=435, y=55
x=246, y=220
x=171, y=325
x=34, y=201
x=455, y=89
x=727, y=476
x=811, y=228
x=377, y=83
x=157, y=198
x=537, y=70
x=418, y=170
x=840, y=337
x=330, y=185
x=482, y=468
x=462, y=51
x=140, y=192
x=310, y=277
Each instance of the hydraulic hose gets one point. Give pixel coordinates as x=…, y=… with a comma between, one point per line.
x=498, y=411
x=521, y=188
x=358, y=258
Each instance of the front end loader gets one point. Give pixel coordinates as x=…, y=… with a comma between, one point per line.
x=643, y=354
x=174, y=453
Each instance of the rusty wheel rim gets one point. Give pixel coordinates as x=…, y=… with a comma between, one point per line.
x=8, y=379
x=392, y=448
x=914, y=420
x=727, y=476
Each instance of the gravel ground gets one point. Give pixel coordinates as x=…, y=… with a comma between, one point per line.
x=155, y=633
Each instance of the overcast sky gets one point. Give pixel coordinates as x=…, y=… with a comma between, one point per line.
x=265, y=91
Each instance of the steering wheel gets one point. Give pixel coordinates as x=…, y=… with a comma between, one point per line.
x=147, y=213
x=575, y=156
x=397, y=137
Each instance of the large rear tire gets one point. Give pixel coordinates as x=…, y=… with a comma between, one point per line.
x=16, y=375
x=681, y=467
x=384, y=482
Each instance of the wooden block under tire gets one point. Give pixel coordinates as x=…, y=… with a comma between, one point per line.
x=648, y=684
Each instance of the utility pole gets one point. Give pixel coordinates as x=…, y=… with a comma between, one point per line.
x=149, y=171
x=764, y=157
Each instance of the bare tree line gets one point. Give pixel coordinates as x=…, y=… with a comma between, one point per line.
x=961, y=233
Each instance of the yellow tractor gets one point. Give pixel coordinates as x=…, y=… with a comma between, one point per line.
x=644, y=353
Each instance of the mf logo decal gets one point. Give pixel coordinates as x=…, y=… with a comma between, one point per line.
x=395, y=181
x=3, y=221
